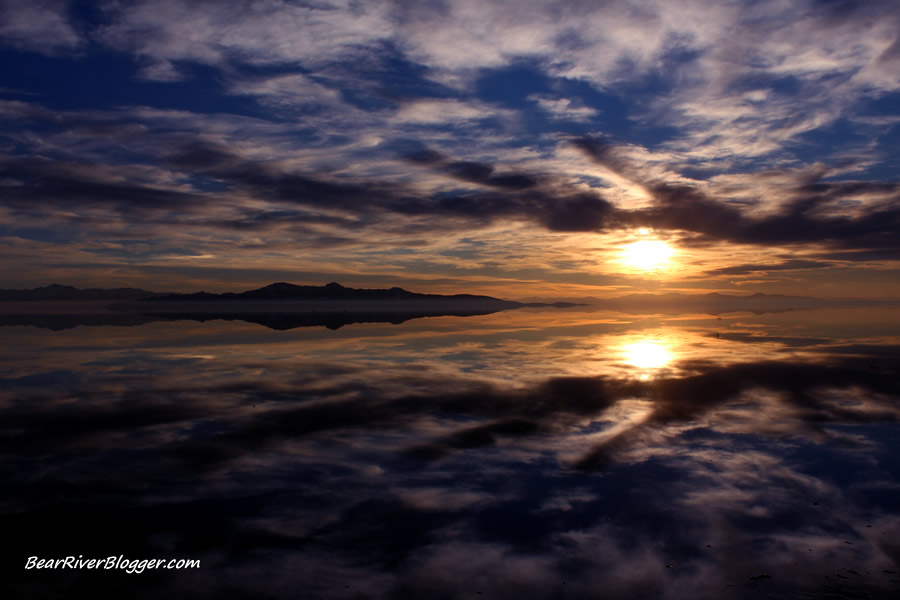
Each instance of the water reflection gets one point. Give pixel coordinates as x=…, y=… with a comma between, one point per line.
x=515, y=454
x=648, y=355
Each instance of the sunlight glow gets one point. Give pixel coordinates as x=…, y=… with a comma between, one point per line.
x=647, y=354
x=647, y=254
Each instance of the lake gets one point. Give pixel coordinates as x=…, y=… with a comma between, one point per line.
x=530, y=454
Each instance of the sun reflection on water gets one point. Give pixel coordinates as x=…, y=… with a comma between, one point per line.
x=648, y=355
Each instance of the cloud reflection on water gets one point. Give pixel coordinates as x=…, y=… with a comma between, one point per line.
x=433, y=461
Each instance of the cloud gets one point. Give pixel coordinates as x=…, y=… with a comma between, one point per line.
x=310, y=476
x=48, y=183
x=38, y=27
x=564, y=108
x=473, y=172
x=806, y=215
x=737, y=81
x=163, y=33
x=788, y=265
x=709, y=110
x=559, y=210
x=287, y=91
x=847, y=217
x=434, y=112
x=389, y=140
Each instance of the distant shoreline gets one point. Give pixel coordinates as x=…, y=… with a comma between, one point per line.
x=164, y=306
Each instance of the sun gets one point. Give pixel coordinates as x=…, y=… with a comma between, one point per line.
x=647, y=255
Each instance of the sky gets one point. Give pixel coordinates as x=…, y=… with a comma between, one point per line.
x=515, y=148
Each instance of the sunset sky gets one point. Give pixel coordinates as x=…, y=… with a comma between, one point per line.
x=514, y=148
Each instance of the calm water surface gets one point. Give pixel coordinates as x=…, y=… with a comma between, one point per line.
x=527, y=454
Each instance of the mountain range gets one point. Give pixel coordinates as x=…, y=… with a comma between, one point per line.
x=330, y=291
x=69, y=293
x=277, y=306
x=285, y=305
x=337, y=292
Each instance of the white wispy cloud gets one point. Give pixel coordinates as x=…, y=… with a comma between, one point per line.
x=564, y=108
x=738, y=80
x=165, y=31
x=736, y=85
x=38, y=26
x=437, y=112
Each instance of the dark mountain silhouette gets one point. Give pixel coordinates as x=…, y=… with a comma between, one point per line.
x=277, y=306
x=286, y=306
x=287, y=296
x=68, y=293
x=331, y=291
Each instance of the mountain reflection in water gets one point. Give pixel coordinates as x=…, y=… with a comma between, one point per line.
x=527, y=454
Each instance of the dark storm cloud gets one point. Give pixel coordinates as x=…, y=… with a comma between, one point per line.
x=864, y=255
x=560, y=207
x=891, y=53
x=786, y=341
x=266, y=181
x=509, y=196
x=44, y=183
x=474, y=172
x=483, y=174
x=263, y=220
x=687, y=208
x=203, y=156
x=516, y=196
x=788, y=265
